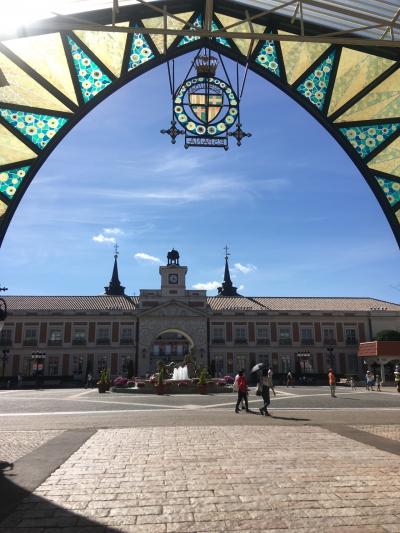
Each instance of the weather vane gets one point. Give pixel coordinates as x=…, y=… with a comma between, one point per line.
x=206, y=107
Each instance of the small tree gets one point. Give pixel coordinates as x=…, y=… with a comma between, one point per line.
x=161, y=376
x=203, y=376
x=160, y=365
x=388, y=335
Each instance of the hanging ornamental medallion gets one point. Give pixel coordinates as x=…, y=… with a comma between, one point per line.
x=206, y=107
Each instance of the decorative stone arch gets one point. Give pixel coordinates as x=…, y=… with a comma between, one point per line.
x=352, y=90
x=176, y=330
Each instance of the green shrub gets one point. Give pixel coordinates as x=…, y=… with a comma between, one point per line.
x=203, y=377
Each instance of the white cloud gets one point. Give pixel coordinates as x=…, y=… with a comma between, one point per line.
x=209, y=286
x=113, y=231
x=245, y=269
x=146, y=257
x=102, y=239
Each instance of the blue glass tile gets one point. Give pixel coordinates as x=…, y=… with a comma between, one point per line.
x=315, y=86
x=390, y=188
x=365, y=139
x=140, y=51
x=267, y=57
x=10, y=180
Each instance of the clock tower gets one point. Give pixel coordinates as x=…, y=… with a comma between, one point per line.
x=173, y=276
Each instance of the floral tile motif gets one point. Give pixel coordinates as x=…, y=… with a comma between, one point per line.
x=390, y=188
x=92, y=79
x=220, y=40
x=268, y=58
x=198, y=23
x=140, y=51
x=10, y=180
x=315, y=86
x=39, y=129
x=365, y=139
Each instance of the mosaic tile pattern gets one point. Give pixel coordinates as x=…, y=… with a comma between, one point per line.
x=220, y=40
x=140, y=51
x=315, y=87
x=365, y=139
x=92, y=79
x=10, y=180
x=3, y=208
x=198, y=23
x=268, y=58
x=39, y=129
x=390, y=188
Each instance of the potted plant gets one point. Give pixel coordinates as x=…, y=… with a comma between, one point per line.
x=103, y=384
x=203, y=381
x=160, y=381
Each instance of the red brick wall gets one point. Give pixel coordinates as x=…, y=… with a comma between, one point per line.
x=229, y=331
x=115, y=332
x=65, y=364
x=339, y=331
x=114, y=363
x=320, y=363
x=361, y=332
x=317, y=327
x=67, y=332
x=252, y=335
x=295, y=332
x=18, y=333
x=92, y=332
x=273, y=331
x=342, y=359
x=43, y=332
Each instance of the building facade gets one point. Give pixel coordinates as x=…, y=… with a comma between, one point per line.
x=74, y=335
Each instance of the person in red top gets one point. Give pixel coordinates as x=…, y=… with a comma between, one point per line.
x=242, y=391
x=332, y=382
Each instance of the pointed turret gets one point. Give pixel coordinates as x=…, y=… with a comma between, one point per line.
x=115, y=288
x=227, y=288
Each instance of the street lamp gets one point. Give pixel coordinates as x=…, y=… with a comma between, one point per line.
x=304, y=357
x=4, y=359
x=331, y=358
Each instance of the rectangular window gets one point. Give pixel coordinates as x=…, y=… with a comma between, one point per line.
x=285, y=335
x=31, y=338
x=102, y=363
x=262, y=335
x=218, y=336
x=55, y=337
x=27, y=366
x=350, y=335
x=103, y=335
x=328, y=335
x=126, y=336
x=240, y=335
x=241, y=362
x=77, y=364
x=306, y=335
x=6, y=337
x=79, y=336
x=219, y=366
x=53, y=366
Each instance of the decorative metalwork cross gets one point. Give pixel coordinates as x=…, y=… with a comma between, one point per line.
x=173, y=131
x=239, y=134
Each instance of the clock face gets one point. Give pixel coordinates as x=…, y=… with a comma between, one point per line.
x=173, y=279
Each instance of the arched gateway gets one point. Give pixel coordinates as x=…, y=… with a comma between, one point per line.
x=347, y=76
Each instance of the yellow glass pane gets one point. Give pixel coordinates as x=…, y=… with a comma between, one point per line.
x=388, y=160
x=299, y=56
x=172, y=24
x=381, y=102
x=3, y=208
x=356, y=70
x=45, y=54
x=108, y=47
x=398, y=215
x=242, y=44
x=12, y=150
x=24, y=90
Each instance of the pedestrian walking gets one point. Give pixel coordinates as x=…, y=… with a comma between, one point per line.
x=397, y=377
x=353, y=383
x=378, y=381
x=332, y=382
x=270, y=381
x=89, y=382
x=236, y=388
x=370, y=380
x=289, y=379
x=264, y=387
x=242, y=392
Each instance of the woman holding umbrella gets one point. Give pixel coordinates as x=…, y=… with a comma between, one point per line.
x=264, y=387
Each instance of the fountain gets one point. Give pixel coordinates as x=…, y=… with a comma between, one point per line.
x=180, y=373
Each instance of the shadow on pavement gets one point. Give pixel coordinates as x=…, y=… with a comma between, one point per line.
x=293, y=418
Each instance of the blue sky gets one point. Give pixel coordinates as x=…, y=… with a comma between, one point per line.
x=297, y=215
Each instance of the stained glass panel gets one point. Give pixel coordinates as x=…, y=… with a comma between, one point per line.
x=242, y=44
x=268, y=58
x=10, y=180
x=365, y=139
x=92, y=79
x=108, y=47
x=390, y=188
x=298, y=57
x=39, y=129
x=198, y=23
x=3, y=208
x=381, y=102
x=24, y=90
x=45, y=54
x=356, y=70
x=388, y=160
x=140, y=51
x=315, y=87
x=220, y=40
x=173, y=24
x=12, y=150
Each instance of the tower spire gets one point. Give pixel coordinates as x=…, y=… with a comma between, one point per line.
x=114, y=287
x=227, y=288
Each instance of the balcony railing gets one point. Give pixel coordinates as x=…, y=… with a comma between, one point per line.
x=54, y=342
x=103, y=341
x=307, y=342
x=329, y=342
x=126, y=340
x=285, y=341
x=262, y=341
x=240, y=340
x=5, y=342
x=79, y=342
x=31, y=342
x=218, y=341
x=351, y=341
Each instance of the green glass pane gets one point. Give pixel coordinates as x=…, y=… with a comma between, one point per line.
x=315, y=86
x=92, y=79
x=39, y=129
x=10, y=180
x=220, y=40
x=140, y=51
x=390, y=188
x=365, y=139
x=198, y=23
x=268, y=58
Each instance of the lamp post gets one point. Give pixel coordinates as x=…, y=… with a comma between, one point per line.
x=304, y=357
x=331, y=358
x=4, y=359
